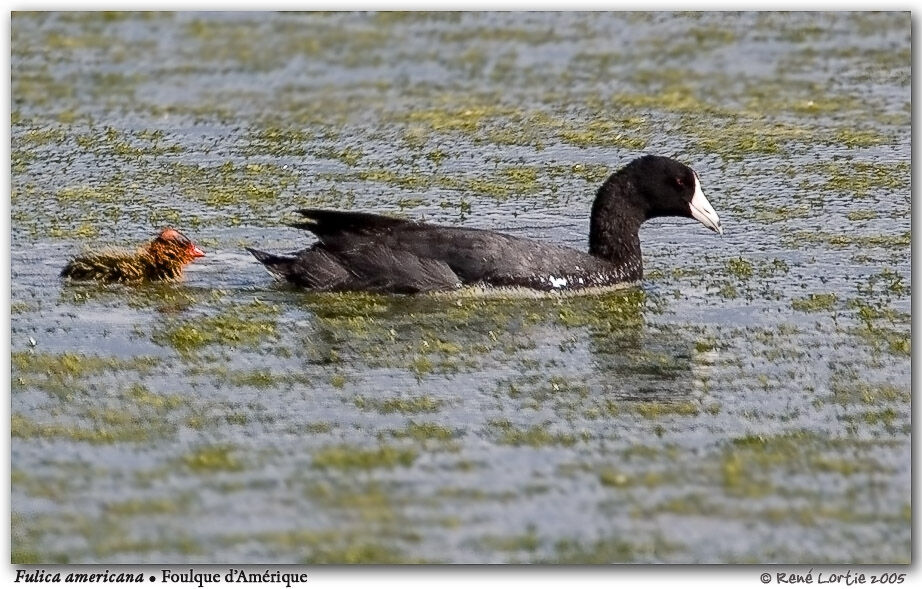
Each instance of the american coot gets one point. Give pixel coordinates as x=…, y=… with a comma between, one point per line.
x=362, y=251
x=161, y=259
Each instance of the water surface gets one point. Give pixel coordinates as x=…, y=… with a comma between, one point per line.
x=748, y=402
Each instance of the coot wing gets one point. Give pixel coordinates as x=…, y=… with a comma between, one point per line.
x=326, y=223
x=418, y=255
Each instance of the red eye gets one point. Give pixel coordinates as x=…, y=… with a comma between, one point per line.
x=680, y=182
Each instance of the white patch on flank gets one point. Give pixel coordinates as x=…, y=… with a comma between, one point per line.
x=557, y=282
x=521, y=292
x=702, y=210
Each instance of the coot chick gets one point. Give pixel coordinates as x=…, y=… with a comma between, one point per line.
x=162, y=259
x=366, y=252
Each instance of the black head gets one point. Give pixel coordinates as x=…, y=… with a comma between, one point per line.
x=660, y=187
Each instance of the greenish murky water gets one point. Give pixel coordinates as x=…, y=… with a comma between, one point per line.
x=748, y=402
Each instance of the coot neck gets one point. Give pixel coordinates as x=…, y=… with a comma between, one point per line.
x=614, y=225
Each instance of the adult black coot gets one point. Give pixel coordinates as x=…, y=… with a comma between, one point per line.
x=366, y=252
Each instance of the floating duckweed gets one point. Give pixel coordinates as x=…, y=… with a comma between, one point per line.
x=884, y=416
x=142, y=507
x=864, y=215
x=64, y=374
x=17, y=307
x=885, y=283
x=143, y=397
x=591, y=173
x=352, y=457
x=75, y=365
x=507, y=181
x=893, y=341
x=321, y=427
x=737, y=139
x=611, y=550
x=239, y=325
x=610, y=477
x=278, y=142
x=613, y=478
x=840, y=240
x=857, y=178
x=115, y=143
x=459, y=119
x=421, y=365
x=261, y=379
x=779, y=214
x=36, y=137
x=678, y=98
x=358, y=552
x=406, y=405
x=212, y=458
x=407, y=181
x=654, y=410
x=25, y=538
x=705, y=345
x=816, y=302
x=110, y=427
x=424, y=431
x=849, y=391
x=740, y=268
x=748, y=460
x=604, y=134
x=527, y=542
x=853, y=138
x=536, y=436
